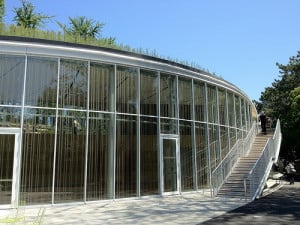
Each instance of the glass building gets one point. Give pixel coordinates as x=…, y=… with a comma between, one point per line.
x=81, y=123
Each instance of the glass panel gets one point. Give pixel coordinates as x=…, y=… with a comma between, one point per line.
x=224, y=141
x=238, y=112
x=41, y=82
x=222, y=107
x=185, y=98
x=70, y=156
x=126, y=156
x=243, y=109
x=231, y=112
x=10, y=117
x=149, y=156
x=11, y=79
x=73, y=84
x=102, y=79
x=169, y=165
x=168, y=126
x=186, y=156
x=7, y=146
x=212, y=104
x=199, y=101
x=232, y=137
x=168, y=96
x=201, y=155
x=149, y=93
x=100, y=159
x=127, y=86
x=37, y=156
x=247, y=108
x=214, y=144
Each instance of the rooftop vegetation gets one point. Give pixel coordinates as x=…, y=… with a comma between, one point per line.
x=13, y=30
x=80, y=30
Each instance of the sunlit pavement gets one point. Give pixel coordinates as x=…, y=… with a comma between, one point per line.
x=191, y=208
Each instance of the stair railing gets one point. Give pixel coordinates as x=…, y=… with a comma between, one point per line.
x=257, y=177
x=224, y=169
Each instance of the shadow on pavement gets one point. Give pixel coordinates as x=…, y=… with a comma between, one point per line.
x=279, y=207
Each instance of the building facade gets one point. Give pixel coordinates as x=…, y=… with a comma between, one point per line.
x=81, y=123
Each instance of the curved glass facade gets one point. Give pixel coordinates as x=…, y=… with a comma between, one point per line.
x=81, y=124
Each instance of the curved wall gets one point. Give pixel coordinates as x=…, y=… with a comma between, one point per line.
x=94, y=123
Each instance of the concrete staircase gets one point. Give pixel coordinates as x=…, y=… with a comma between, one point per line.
x=234, y=185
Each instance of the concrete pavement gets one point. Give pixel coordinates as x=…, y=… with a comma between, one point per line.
x=189, y=208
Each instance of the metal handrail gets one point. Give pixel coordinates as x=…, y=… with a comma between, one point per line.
x=225, y=167
x=255, y=181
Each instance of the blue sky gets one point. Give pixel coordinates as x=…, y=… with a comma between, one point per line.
x=238, y=40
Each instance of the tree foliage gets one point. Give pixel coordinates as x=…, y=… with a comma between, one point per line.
x=282, y=101
x=82, y=27
x=2, y=10
x=27, y=18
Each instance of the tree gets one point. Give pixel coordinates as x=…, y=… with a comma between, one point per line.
x=27, y=18
x=282, y=100
x=83, y=27
x=2, y=10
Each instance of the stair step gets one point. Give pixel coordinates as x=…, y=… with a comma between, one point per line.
x=234, y=185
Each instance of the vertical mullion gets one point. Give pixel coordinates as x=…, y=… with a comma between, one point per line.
x=138, y=134
x=193, y=132
x=55, y=136
x=87, y=134
x=207, y=136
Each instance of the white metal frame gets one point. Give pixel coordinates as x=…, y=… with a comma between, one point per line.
x=175, y=138
x=16, y=165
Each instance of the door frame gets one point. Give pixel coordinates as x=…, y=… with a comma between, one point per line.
x=16, y=165
x=161, y=162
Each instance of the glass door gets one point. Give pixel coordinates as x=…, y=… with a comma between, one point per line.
x=169, y=165
x=8, y=154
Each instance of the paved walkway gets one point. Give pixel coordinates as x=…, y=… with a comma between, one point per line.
x=189, y=208
x=277, y=208
x=192, y=208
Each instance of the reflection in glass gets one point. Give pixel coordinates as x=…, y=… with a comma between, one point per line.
x=224, y=141
x=37, y=156
x=148, y=92
x=185, y=98
x=11, y=79
x=222, y=107
x=70, y=156
x=127, y=89
x=168, y=96
x=7, y=147
x=169, y=165
x=126, y=156
x=238, y=111
x=73, y=84
x=186, y=156
x=201, y=155
x=10, y=117
x=243, y=111
x=232, y=137
x=199, y=101
x=41, y=82
x=99, y=157
x=168, y=126
x=214, y=146
x=231, y=111
x=102, y=87
x=149, y=156
x=212, y=104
